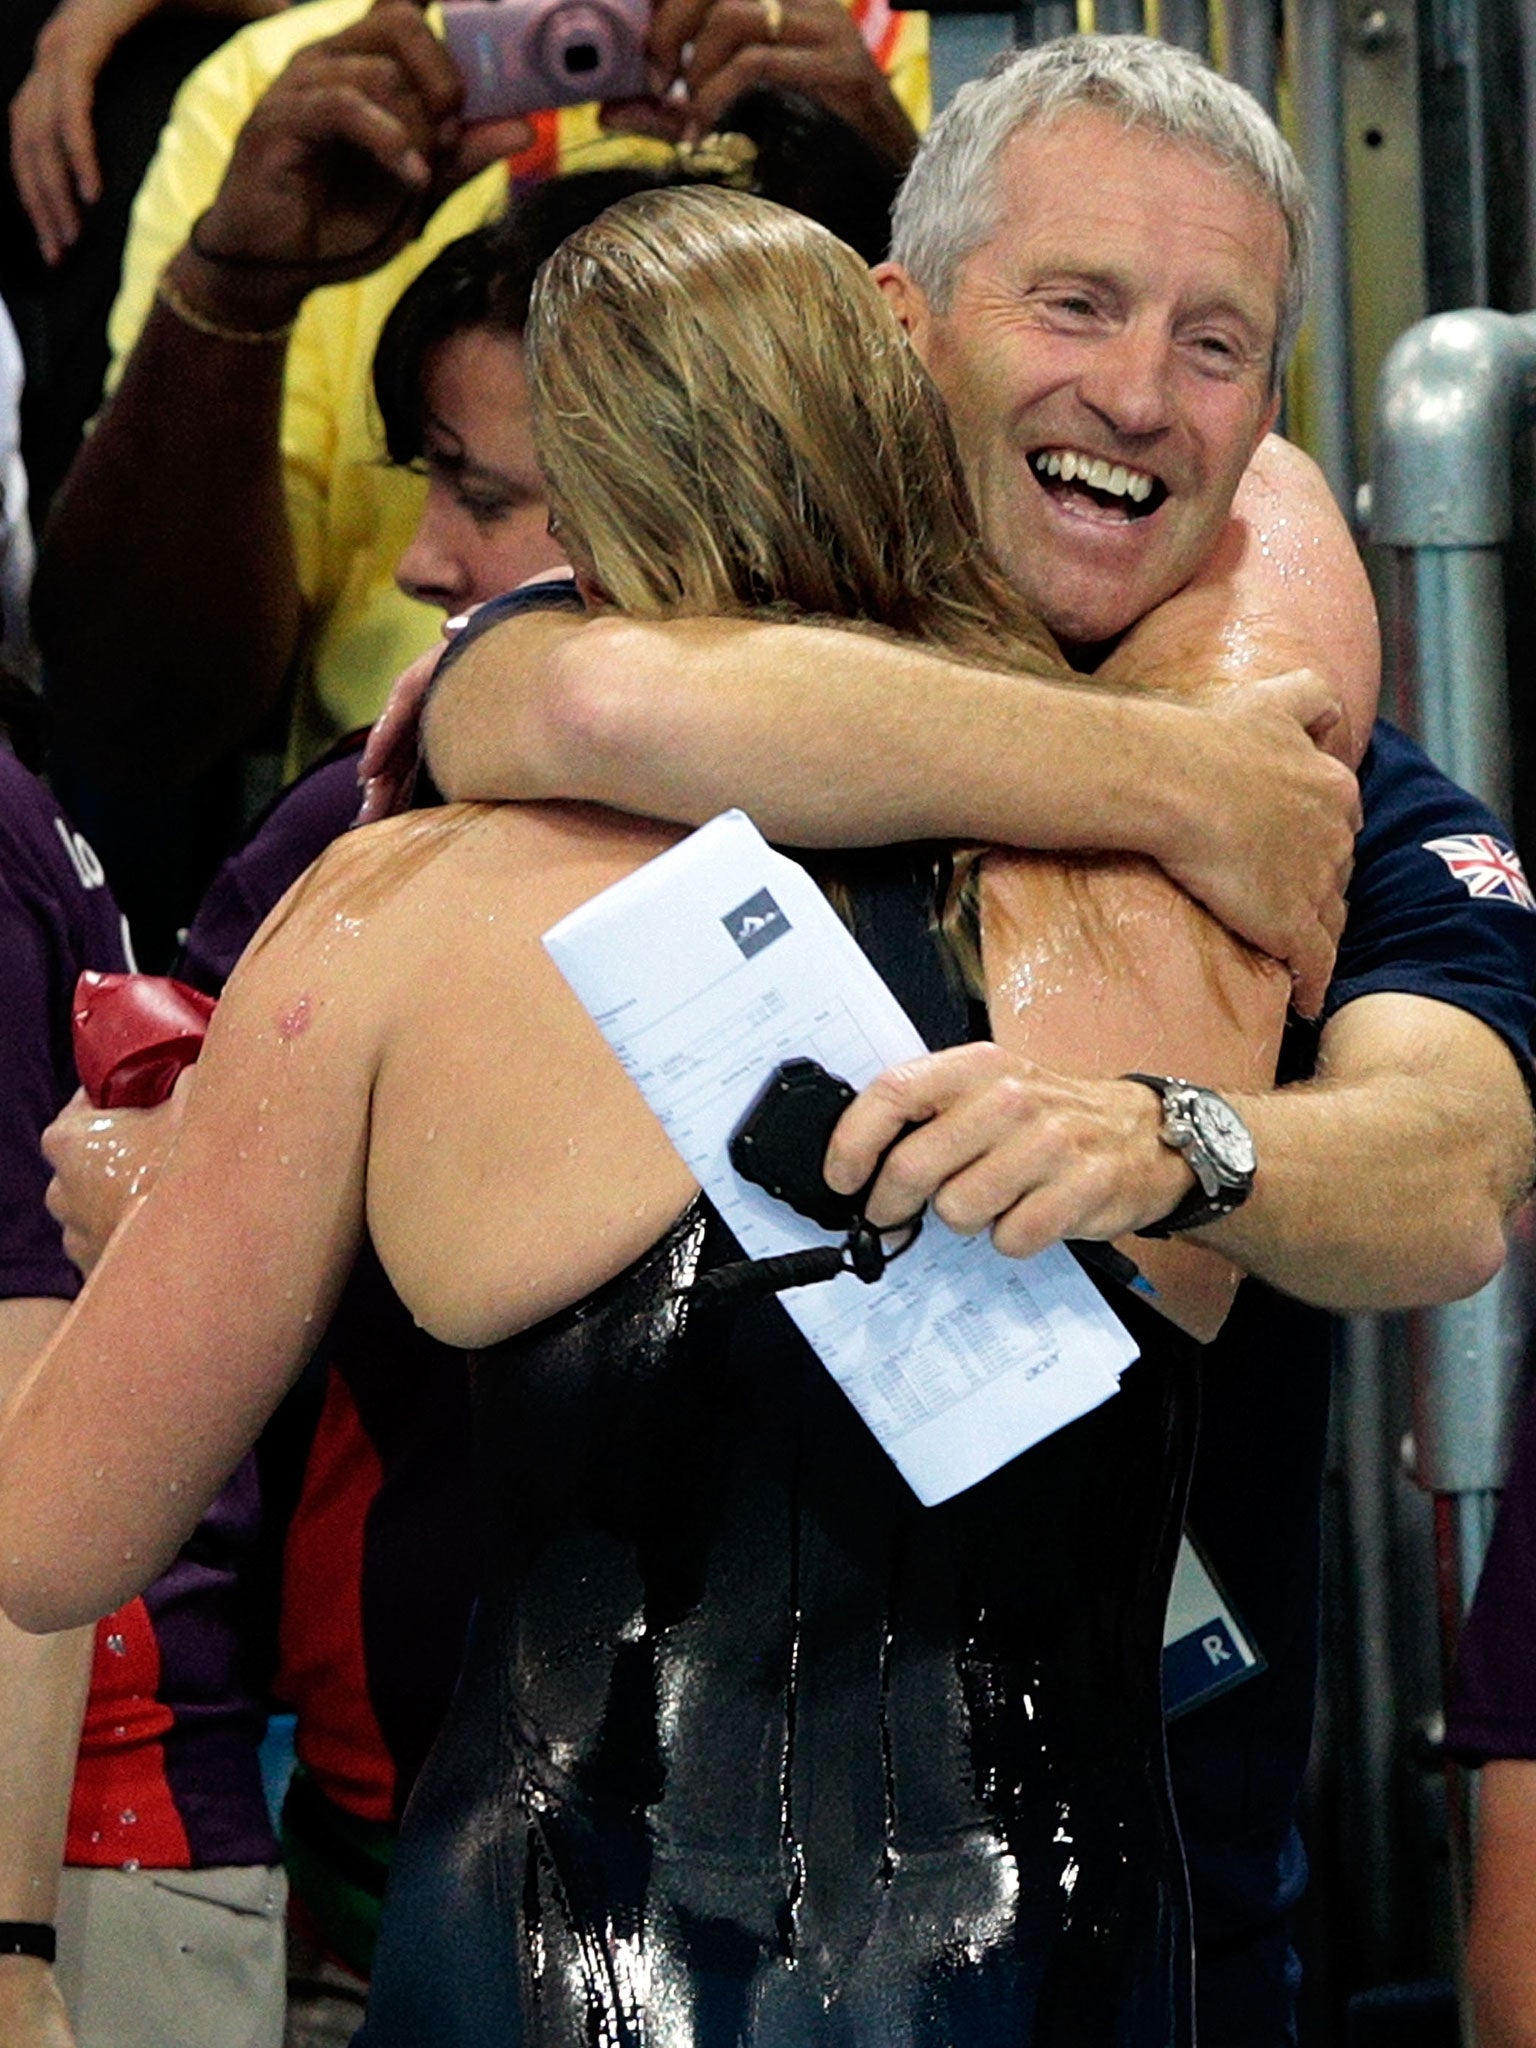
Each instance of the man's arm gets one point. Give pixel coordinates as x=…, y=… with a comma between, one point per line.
x=43, y=1682
x=167, y=599
x=859, y=741
x=1389, y=1179
x=1384, y=1183
x=838, y=740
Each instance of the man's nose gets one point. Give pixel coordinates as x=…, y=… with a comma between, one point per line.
x=1129, y=383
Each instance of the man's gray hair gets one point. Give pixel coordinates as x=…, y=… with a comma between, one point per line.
x=948, y=206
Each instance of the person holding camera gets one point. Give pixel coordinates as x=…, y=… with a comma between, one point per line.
x=228, y=513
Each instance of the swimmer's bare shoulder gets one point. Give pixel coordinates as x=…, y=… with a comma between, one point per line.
x=511, y=1165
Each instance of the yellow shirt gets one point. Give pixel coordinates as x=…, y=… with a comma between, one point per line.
x=351, y=514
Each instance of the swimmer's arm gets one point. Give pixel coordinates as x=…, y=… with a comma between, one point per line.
x=1385, y=1183
x=210, y=1295
x=837, y=740
x=42, y=1701
x=1284, y=588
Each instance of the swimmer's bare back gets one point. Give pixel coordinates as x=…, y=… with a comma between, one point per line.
x=395, y=1053
x=512, y=1166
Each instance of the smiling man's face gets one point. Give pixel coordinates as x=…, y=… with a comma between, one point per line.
x=1106, y=360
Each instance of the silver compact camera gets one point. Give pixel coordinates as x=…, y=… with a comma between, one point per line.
x=521, y=56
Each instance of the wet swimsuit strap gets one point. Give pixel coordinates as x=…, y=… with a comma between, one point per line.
x=28, y=1938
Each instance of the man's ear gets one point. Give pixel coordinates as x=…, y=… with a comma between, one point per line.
x=908, y=301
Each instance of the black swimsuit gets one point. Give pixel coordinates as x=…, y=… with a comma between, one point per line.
x=753, y=1751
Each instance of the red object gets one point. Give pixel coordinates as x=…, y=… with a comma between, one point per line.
x=133, y=1035
x=122, y=1812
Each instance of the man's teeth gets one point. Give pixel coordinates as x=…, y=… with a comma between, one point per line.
x=1093, y=470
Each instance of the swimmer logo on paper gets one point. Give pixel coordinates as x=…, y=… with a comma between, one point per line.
x=756, y=923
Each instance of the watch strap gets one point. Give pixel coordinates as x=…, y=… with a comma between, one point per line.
x=1197, y=1208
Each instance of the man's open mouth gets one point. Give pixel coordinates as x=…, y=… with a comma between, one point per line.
x=1112, y=486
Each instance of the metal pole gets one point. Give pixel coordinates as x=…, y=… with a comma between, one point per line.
x=1187, y=23
x=1041, y=21
x=1464, y=718
x=1253, y=47
x=1317, y=40
x=960, y=47
x=1456, y=393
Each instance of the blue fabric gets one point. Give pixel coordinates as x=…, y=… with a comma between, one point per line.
x=1256, y=1497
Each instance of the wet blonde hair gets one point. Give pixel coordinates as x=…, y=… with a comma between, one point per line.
x=730, y=420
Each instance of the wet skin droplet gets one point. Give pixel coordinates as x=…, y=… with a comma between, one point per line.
x=293, y=1022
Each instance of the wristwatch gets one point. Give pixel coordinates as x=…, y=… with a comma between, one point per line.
x=1217, y=1147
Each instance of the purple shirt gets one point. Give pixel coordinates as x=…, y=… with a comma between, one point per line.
x=57, y=917
x=168, y=1771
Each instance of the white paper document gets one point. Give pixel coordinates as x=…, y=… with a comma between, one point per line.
x=704, y=970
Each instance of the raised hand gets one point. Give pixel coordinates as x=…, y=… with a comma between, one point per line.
x=344, y=157
x=721, y=48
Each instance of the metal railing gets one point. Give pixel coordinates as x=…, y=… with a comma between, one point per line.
x=1456, y=393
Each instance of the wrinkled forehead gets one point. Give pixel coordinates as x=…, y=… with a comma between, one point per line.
x=1086, y=190
x=1078, y=161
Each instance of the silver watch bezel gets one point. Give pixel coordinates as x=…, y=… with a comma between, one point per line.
x=1191, y=1128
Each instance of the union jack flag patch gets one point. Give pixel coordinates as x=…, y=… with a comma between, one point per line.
x=1486, y=867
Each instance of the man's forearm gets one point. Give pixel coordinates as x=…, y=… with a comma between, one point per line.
x=847, y=739
x=831, y=737
x=1386, y=1183
x=167, y=602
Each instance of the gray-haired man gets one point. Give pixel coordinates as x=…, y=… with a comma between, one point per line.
x=1101, y=254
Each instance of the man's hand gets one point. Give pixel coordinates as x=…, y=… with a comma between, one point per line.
x=103, y=1159
x=722, y=48
x=341, y=161
x=32, y=2012
x=1264, y=829
x=1005, y=1146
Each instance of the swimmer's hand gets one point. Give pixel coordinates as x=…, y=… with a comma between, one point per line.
x=102, y=1160
x=1008, y=1147
x=32, y=2011
x=1264, y=824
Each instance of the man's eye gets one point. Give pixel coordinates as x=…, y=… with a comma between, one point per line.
x=1220, y=348
x=1074, y=304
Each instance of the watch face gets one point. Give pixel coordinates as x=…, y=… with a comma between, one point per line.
x=1224, y=1135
